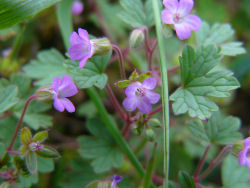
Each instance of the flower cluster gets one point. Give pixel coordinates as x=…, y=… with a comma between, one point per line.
x=177, y=14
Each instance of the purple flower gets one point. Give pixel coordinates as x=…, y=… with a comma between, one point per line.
x=37, y=146
x=116, y=179
x=177, y=14
x=81, y=48
x=63, y=88
x=139, y=96
x=244, y=155
x=77, y=7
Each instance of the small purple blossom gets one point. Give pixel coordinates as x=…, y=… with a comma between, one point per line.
x=116, y=179
x=81, y=47
x=77, y=7
x=244, y=155
x=177, y=14
x=37, y=146
x=139, y=96
x=63, y=88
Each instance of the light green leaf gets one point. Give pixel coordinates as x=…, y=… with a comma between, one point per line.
x=136, y=13
x=15, y=11
x=51, y=64
x=234, y=175
x=31, y=162
x=218, y=130
x=45, y=164
x=199, y=82
x=26, y=136
x=8, y=97
x=218, y=34
x=185, y=180
x=107, y=155
x=48, y=152
x=22, y=82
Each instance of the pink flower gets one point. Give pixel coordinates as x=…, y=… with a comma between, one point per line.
x=177, y=14
x=81, y=48
x=77, y=7
x=244, y=155
x=37, y=146
x=63, y=88
x=139, y=96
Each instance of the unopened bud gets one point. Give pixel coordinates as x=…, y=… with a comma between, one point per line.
x=154, y=123
x=101, y=46
x=237, y=147
x=45, y=94
x=150, y=134
x=136, y=37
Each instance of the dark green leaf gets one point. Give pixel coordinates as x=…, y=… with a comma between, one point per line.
x=8, y=97
x=4, y=161
x=22, y=82
x=219, y=129
x=20, y=165
x=13, y=12
x=200, y=82
x=31, y=162
x=185, y=180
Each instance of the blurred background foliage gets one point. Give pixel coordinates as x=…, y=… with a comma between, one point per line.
x=100, y=19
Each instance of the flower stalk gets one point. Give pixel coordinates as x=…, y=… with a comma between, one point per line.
x=119, y=53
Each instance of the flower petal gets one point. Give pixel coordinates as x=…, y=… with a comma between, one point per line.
x=75, y=39
x=144, y=106
x=56, y=83
x=242, y=157
x=58, y=104
x=68, y=105
x=153, y=97
x=131, y=89
x=247, y=142
x=83, y=62
x=149, y=83
x=167, y=17
x=185, y=6
x=83, y=34
x=248, y=164
x=171, y=5
x=77, y=7
x=130, y=103
x=79, y=51
x=67, y=87
x=193, y=21
x=183, y=31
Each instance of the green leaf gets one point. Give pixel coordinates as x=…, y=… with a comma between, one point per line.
x=144, y=76
x=26, y=136
x=31, y=162
x=107, y=155
x=218, y=34
x=45, y=165
x=123, y=83
x=20, y=165
x=234, y=175
x=48, y=152
x=40, y=136
x=87, y=109
x=185, y=180
x=136, y=13
x=218, y=130
x=51, y=64
x=13, y=12
x=8, y=97
x=22, y=82
x=200, y=83
x=5, y=159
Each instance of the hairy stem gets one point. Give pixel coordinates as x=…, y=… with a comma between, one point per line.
x=201, y=163
x=115, y=102
x=119, y=53
x=165, y=98
x=20, y=122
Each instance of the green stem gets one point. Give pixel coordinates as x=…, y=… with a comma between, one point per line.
x=164, y=79
x=18, y=43
x=112, y=127
x=66, y=30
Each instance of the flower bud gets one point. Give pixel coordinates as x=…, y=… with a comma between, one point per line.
x=154, y=123
x=136, y=37
x=150, y=134
x=101, y=46
x=45, y=94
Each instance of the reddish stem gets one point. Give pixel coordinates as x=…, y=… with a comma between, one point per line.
x=119, y=53
x=158, y=109
x=201, y=163
x=173, y=69
x=125, y=131
x=157, y=179
x=115, y=102
x=6, y=114
x=20, y=121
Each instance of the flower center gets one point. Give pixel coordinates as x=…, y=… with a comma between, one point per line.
x=140, y=92
x=37, y=146
x=177, y=18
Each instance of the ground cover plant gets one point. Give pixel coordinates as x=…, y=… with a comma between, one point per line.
x=124, y=94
